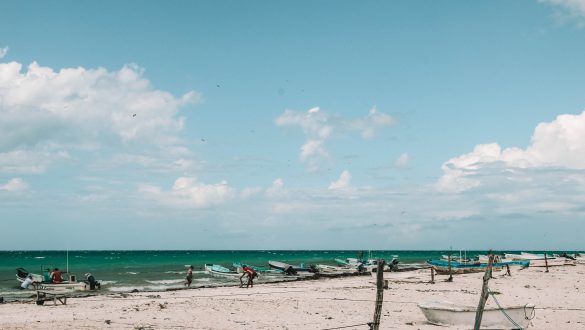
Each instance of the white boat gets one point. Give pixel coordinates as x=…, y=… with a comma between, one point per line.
x=450, y=314
x=335, y=270
x=38, y=282
x=538, y=260
x=217, y=270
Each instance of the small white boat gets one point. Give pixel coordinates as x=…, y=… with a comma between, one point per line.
x=335, y=270
x=217, y=270
x=450, y=314
x=538, y=260
x=38, y=282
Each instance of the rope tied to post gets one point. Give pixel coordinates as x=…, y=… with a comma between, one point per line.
x=518, y=326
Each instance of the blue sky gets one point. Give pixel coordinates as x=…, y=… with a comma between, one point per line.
x=292, y=125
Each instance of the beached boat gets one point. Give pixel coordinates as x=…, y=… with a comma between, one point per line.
x=538, y=260
x=284, y=266
x=368, y=265
x=39, y=282
x=239, y=268
x=446, y=313
x=455, y=258
x=442, y=266
x=218, y=270
x=335, y=269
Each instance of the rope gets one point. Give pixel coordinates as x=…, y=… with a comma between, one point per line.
x=518, y=326
x=348, y=326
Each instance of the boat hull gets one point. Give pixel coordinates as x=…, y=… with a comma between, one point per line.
x=77, y=286
x=450, y=314
x=539, y=261
x=442, y=267
x=216, y=270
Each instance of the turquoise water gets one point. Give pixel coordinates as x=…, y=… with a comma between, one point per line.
x=123, y=271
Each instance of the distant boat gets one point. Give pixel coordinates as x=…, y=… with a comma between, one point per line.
x=218, y=270
x=442, y=266
x=450, y=314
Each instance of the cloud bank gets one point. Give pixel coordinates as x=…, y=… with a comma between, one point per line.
x=48, y=114
x=559, y=144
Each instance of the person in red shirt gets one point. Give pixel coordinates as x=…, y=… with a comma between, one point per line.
x=251, y=274
x=56, y=276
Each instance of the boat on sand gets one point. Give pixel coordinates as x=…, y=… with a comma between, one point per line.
x=450, y=314
x=218, y=270
x=442, y=267
x=284, y=266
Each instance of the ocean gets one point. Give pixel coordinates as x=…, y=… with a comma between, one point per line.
x=124, y=271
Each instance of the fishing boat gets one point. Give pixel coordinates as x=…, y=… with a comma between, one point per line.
x=284, y=266
x=442, y=266
x=538, y=260
x=240, y=266
x=40, y=282
x=450, y=314
x=218, y=270
x=335, y=269
x=368, y=265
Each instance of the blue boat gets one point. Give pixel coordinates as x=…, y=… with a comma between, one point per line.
x=442, y=266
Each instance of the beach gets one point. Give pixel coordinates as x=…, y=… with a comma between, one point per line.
x=311, y=304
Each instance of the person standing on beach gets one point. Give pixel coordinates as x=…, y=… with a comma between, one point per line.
x=189, y=276
x=251, y=273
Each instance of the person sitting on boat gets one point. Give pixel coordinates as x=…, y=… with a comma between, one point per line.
x=93, y=284
x=189, y=276
x=251, y=273
x=47, y=275
x=27, y=281
x=56, y=276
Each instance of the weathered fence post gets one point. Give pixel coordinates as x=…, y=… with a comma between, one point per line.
x=432, y=275
x=484, y=292
x=508, y=270
x=545, y=262
x=450, y=279
x=375, y=325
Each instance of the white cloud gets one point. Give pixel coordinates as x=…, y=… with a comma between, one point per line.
x=30, y=161
x=402, y=161
x=571, y=9
x=188, y=192
x=277, y=189
x=344, y=181
x=369, y=124
x=556, y=144
x=319, y=126
x=14, y=185
x=85, y=109
x=3, y=52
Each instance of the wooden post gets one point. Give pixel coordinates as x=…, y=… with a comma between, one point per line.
x=508, y=270
x=375, y=325
x=546, y=262
x=432, y=275
x=450, y=279
x=484, y=292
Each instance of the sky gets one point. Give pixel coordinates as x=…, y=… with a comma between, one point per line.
x=292, y=125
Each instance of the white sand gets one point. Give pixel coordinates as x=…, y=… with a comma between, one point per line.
x=319, y=304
